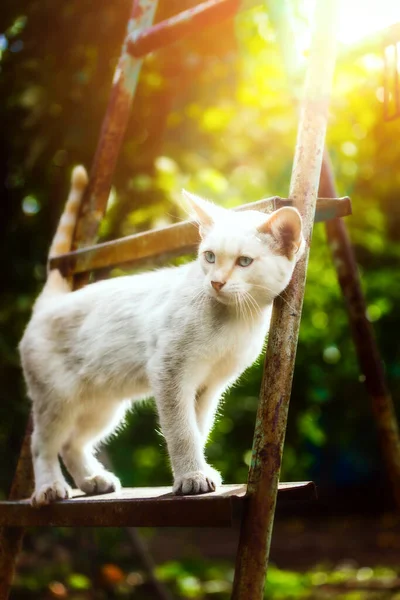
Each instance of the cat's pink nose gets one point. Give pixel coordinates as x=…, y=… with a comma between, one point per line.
x=218, y=285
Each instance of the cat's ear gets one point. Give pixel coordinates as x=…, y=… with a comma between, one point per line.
x=200, y=210
x=286, y=227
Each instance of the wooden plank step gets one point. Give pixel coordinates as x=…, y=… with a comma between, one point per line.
x=146, y=507
x=174, y=240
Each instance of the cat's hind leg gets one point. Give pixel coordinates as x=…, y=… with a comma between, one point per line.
x=93, y=425
x=52, y=424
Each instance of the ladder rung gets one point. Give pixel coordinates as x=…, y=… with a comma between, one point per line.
x=174, y=240
x=184, y=23
x=146, y=507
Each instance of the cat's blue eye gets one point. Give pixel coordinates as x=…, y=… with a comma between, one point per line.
x=244, y=261
x=209, y=256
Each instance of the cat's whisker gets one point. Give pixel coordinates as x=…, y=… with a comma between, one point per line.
x=250, y=301
x=249, y=308
x=237, y=305
x=242, y=312
x=254, y=306
x=264, y=287
x=176, y=218
x=243, y=306
x=248, y=312
x=254, y=303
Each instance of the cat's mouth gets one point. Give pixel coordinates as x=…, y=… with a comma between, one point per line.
x=222, y=297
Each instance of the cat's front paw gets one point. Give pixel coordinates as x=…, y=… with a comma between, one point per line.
x=51, y=492
x=197, y=482
x=102, y=483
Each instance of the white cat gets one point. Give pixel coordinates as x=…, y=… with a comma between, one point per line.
x=180, y=334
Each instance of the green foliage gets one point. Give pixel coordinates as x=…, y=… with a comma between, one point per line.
x=78, y=582
x=205, y=580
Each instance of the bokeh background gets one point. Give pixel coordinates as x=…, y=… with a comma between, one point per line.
x=212, y=113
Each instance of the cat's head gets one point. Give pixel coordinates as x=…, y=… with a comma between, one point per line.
x=247, y=257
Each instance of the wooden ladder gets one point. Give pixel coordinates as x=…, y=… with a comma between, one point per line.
x=253, y=506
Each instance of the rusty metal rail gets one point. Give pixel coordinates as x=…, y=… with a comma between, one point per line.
x=174, y=240
x=345, y=262
x=183, y=24
x=257, y=523
x=212, y=12
x=147, y=507
x=114, y=125
x=368, y=356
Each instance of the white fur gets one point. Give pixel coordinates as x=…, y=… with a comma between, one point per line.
x=88, y=354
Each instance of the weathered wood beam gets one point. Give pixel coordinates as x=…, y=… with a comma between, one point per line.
x=174, y=240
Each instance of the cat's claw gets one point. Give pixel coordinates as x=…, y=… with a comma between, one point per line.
x=197, y=482
x=102, y=483
x=50, y=492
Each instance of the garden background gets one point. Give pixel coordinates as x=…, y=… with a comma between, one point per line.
x=213, y=114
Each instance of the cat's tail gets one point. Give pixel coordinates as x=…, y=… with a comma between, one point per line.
x=62, y=241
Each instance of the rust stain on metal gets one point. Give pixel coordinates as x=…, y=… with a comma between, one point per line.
x=257, y=524
x=181, y=25
x=277, y=411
